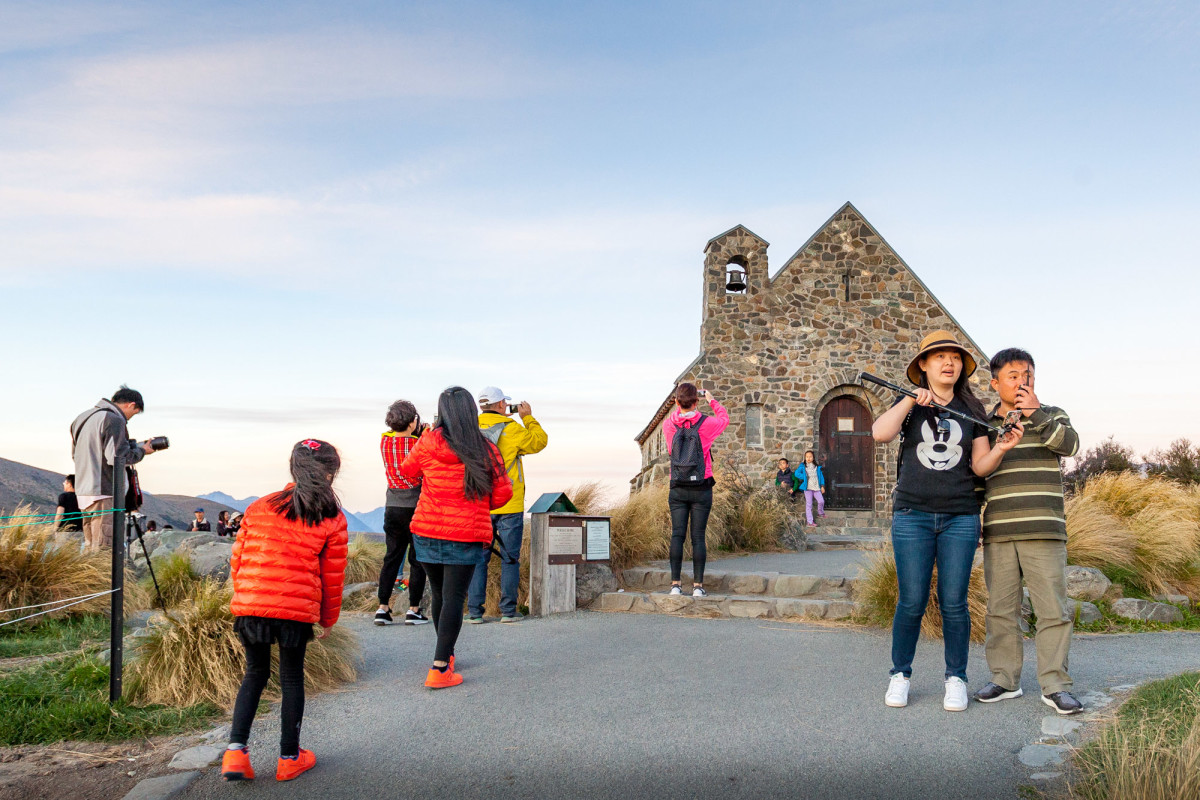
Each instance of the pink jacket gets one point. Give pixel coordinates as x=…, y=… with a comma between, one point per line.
x=708, y=432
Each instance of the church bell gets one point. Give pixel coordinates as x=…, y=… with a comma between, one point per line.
x=735, y=280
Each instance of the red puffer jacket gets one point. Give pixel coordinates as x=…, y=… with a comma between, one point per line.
x=288, y=570
x=443, y=511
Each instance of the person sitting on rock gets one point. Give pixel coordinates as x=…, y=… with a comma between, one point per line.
x=1025, y=536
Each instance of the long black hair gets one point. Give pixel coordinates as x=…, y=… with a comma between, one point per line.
x=962, y=388
x=458, y=420
x=314, y=465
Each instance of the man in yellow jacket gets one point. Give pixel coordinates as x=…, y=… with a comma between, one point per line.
x=515, y=440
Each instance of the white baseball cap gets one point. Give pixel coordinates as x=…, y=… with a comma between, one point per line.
x=492, y=394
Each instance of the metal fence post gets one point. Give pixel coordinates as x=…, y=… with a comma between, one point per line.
x=116, y=639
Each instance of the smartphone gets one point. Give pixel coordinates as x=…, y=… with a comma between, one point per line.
x=512, y=409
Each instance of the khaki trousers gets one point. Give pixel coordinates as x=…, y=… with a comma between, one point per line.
x=98, y=529
x=1041, y=563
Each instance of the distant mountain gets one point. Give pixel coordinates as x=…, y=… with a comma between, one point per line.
x=355, y=523
x=372, y=518
x=21, y=484
x=229, y=500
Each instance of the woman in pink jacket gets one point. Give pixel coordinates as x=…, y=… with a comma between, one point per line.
x=689, y=436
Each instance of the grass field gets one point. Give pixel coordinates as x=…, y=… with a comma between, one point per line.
x=54, y=636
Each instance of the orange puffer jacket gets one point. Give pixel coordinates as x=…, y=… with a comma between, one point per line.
x=288, y=570
x=444, y=512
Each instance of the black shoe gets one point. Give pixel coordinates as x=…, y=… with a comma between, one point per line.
x=383, y=617
x=1063, y=702
x=415, y=618
x=994, y=692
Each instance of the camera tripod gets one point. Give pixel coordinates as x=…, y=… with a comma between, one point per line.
x=133, y=529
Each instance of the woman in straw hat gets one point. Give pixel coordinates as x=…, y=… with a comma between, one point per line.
x=935, y=514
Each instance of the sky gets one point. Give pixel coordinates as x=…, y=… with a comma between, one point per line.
x=275, y=219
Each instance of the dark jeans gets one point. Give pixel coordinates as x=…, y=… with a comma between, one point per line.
x=396, y=531
x=509, y=530
x=692, y=505
x=920, y=540
x=291, y=682
x=448, y=583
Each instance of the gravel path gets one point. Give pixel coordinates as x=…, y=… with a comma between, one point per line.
x=593, y=705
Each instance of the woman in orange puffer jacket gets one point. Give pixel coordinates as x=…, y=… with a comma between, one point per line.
x=287, y=570
x=463, y=479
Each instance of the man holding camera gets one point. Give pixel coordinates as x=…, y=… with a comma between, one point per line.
x=1025, y=538
x=514, y=439
x=98, y=436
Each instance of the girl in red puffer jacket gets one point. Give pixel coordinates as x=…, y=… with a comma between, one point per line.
x=463, y=480
x=287, y=570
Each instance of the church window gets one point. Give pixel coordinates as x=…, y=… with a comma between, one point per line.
x=754, y=425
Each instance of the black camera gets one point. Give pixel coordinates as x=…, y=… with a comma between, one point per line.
x=159, y=443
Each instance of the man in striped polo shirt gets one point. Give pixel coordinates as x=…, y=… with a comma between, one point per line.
x=1025, y=536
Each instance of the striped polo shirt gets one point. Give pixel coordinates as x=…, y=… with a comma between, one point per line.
x=1025, y=493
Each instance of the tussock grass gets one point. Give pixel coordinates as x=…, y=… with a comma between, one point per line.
x=589, y=497
x=364, y=559
x=1150, y=751
x=33, y=570
x=491, y=606
x=177, y=581
x=877, y=593
x=197, y=657
x=67, y=699
x=641, y=528
x=1141, y=532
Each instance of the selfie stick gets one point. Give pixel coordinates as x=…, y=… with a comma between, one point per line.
x=866, y=376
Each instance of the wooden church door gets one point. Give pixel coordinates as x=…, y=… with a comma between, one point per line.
x=848, y=455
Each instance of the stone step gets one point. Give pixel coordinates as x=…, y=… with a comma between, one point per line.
x=773, y=584
x=729, y=606
x=846, y=541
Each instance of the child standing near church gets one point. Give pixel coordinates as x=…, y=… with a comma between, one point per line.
x=810, y=479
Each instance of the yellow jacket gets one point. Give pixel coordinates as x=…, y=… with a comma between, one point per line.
x=517, y=439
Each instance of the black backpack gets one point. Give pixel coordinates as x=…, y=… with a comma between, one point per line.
x=687, y=455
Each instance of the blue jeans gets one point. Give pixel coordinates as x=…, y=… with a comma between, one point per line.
x=920, y=540
x=509, y=529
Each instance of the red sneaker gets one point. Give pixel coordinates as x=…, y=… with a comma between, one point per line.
x=235, y=766
x=442, y=680
x=289, y=768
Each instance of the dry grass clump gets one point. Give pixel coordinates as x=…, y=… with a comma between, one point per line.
x=878, y=591
x=1150, y=751
x=589, y=497
x=197, y=657
x=177, y=582
x=746, y=516
x=364, y=559
x=641, y=528
x=33, y=570
x=1142, y=532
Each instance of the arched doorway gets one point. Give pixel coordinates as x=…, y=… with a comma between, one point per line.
x=848, y=452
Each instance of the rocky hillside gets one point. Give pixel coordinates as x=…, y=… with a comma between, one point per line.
x=21, y=484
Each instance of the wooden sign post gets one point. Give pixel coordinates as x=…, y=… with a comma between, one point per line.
x=560, y=538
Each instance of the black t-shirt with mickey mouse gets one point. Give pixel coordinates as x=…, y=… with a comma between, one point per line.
x=935, y=463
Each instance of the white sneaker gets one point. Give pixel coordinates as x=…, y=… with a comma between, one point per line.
x=698, y=591
x=956, y=695
x=897, y=693
x=675, y=590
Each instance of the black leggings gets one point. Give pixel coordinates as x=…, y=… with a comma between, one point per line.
x=689, y=504
x=291, y=682
x=448, y=583
x=396, y=531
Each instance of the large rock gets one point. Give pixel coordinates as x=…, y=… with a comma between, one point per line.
x=355, y=593
x=745, y=583
x=198, y=540
x=197, y=757
x=1135, y=608
x=798, y=585
x=592, y=580
x=162, y=787
x=1086, y=583
x=1086, y=612
x=211, y=559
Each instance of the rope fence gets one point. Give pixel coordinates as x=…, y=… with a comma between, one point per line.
x=45, y=518
x=59, y=605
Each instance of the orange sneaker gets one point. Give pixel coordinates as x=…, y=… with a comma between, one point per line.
x=442, y=680
x=289, y=768
x=235, y=766
x=451, y=662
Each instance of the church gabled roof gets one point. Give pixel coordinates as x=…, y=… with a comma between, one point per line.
x=848, y=206
x=739, y=227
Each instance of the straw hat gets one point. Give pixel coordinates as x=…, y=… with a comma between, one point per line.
x=939, y=340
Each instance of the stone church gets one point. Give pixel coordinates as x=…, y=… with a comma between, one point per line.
x=783, y=352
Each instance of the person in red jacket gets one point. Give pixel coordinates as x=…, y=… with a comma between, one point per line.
x=463, y=479
x=287, y=569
